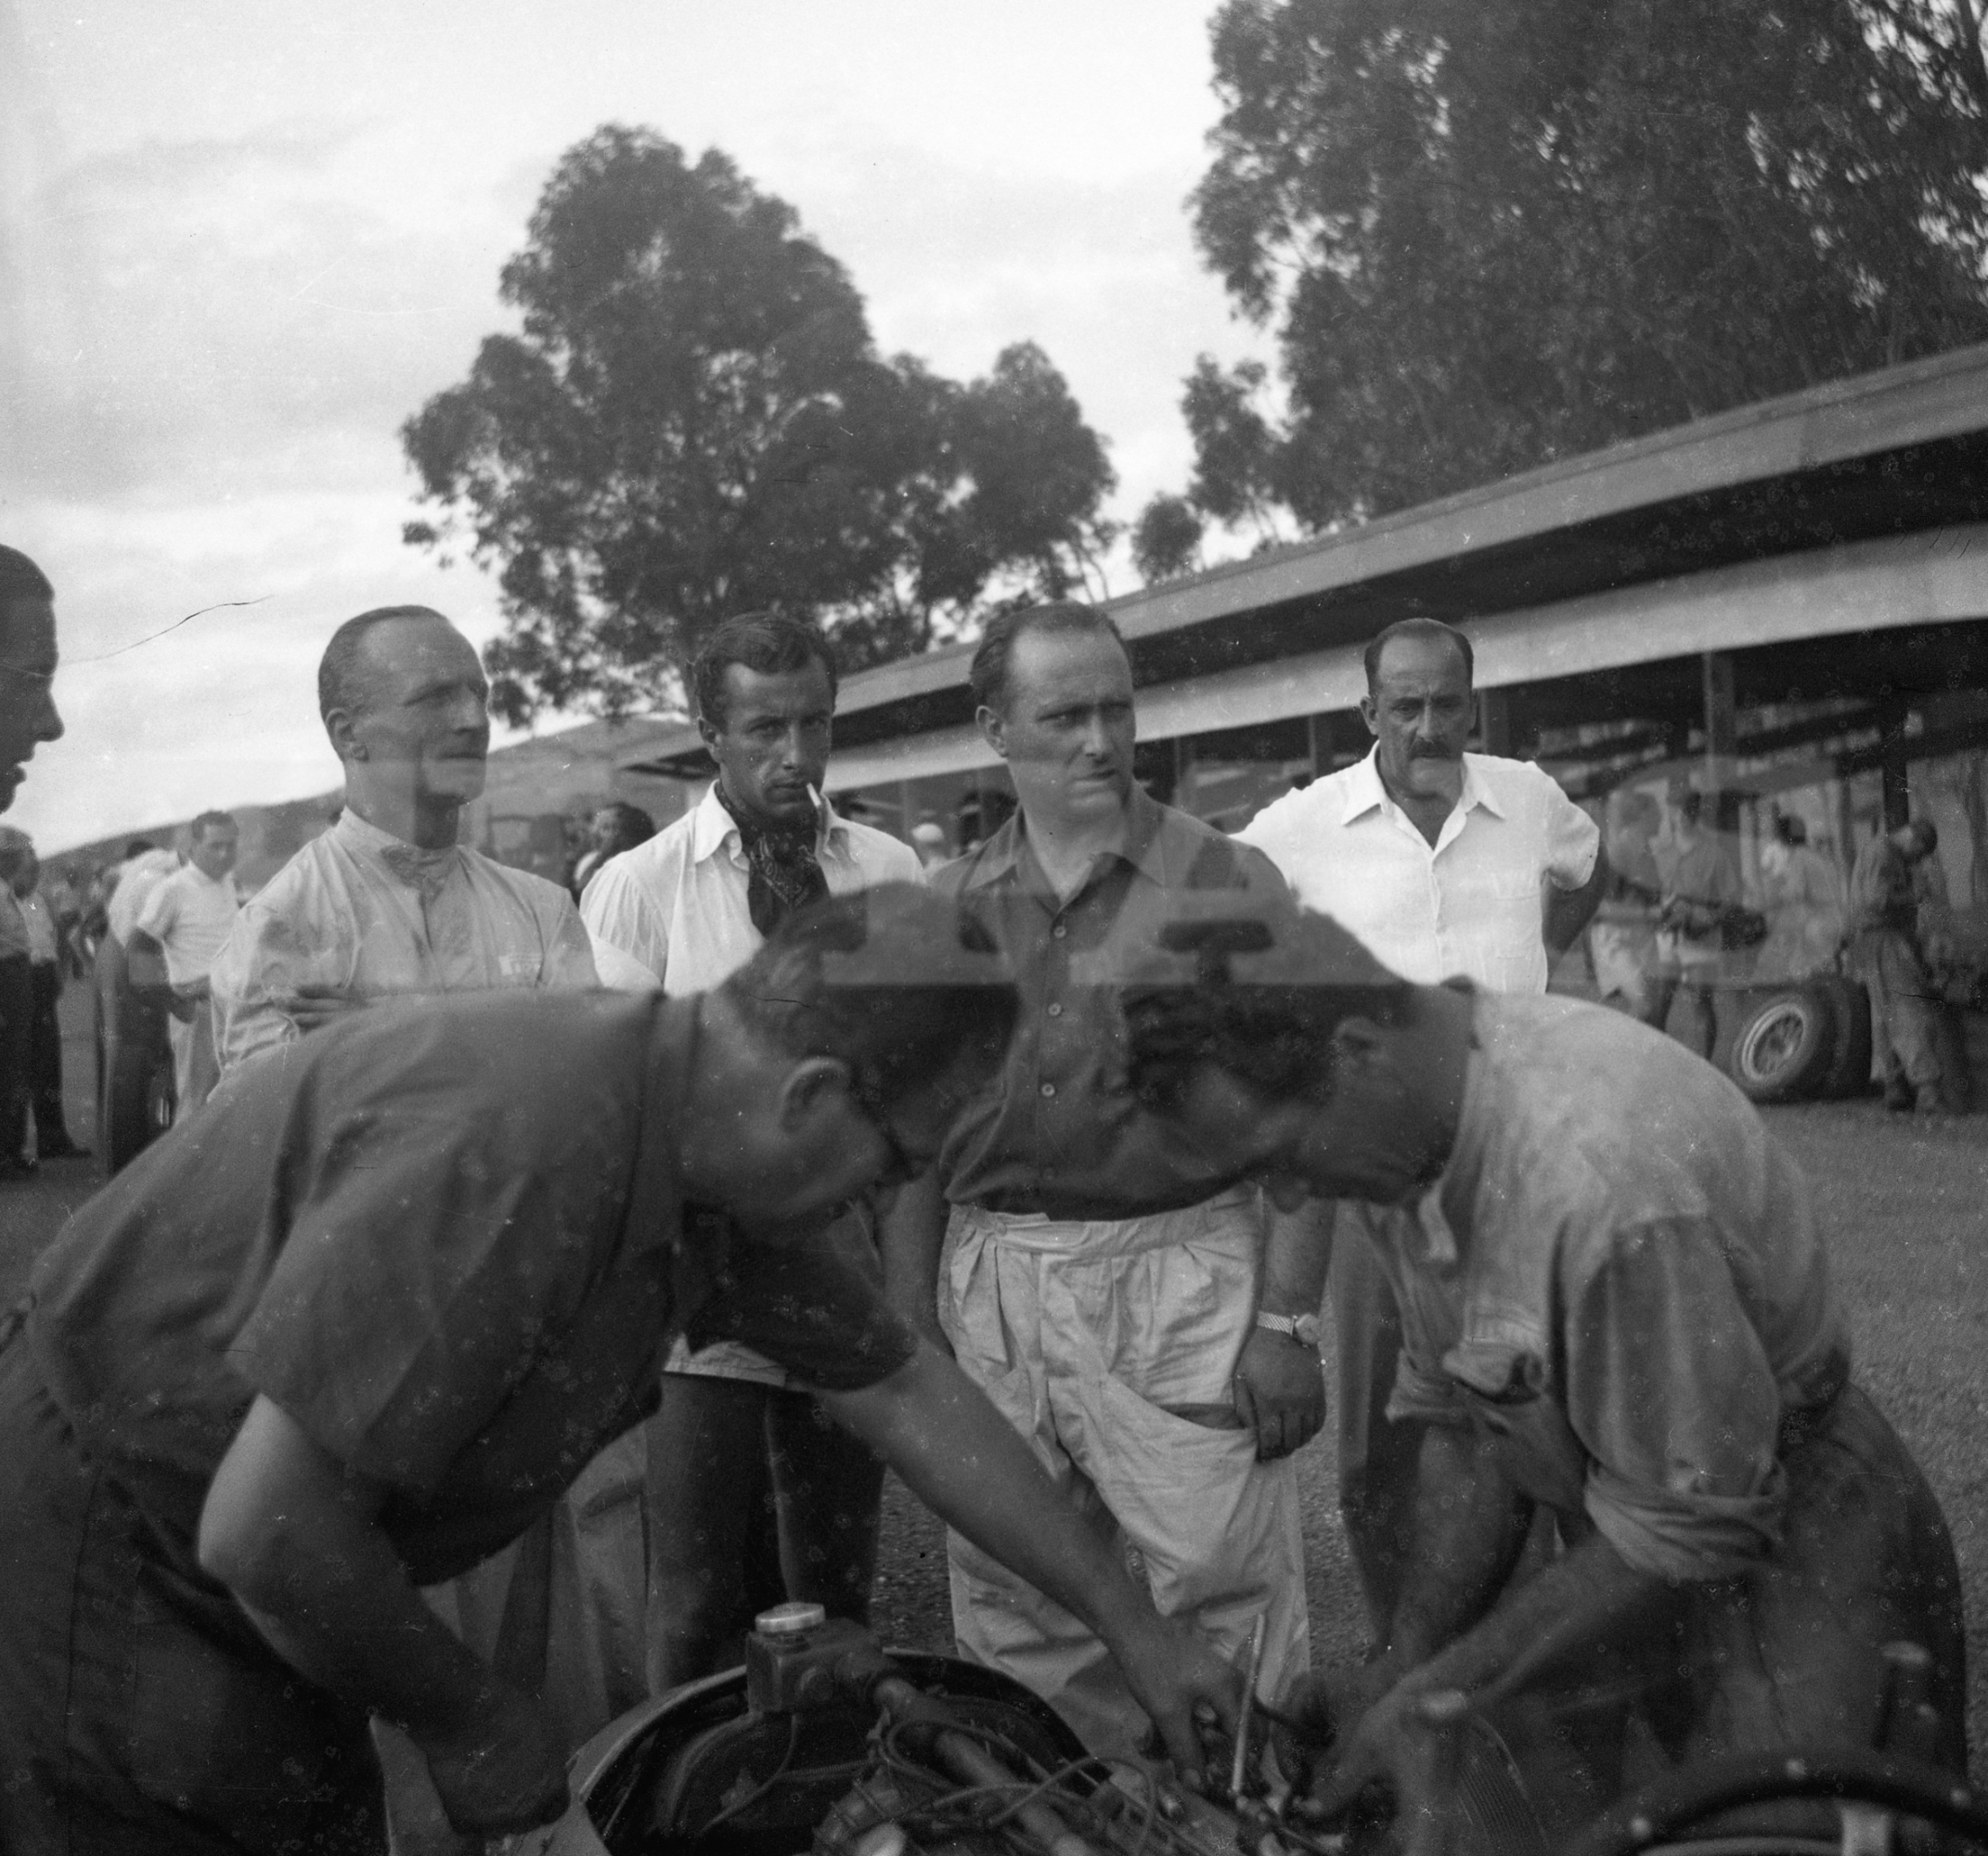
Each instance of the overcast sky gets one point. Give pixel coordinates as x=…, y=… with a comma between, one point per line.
x=241, y=241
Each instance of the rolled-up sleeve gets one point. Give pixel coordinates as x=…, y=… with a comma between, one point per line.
x=569, y=965
x=617, y=910
x=1572, y=838
x=1670, y=1394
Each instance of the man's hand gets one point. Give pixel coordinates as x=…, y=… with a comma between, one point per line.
x=1367, y=1736
x=1280, y=1393
x=503, y=1771
x=314, y=1005
x=1174, y=1673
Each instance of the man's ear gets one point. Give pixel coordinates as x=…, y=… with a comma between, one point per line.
x=708, y=733
x=1370, y=715
x=993, y=728
x=1356, y=1041
x=806, y=1087
x=338, y=725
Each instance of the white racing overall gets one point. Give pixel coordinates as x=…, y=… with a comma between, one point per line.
x=1111, y=1344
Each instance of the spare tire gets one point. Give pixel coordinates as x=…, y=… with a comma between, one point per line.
x=1850, y=1063
x=1784, y=1045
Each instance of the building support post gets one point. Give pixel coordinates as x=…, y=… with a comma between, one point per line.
x=1722, y=739
x=1892, y=767
x=1495, y=721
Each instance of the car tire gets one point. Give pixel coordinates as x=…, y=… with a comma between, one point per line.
x=1850, y=1060
x=1783, y=1048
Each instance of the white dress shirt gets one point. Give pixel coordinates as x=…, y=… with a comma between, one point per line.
x=1471, y=903
x=137, y=878
x=190, y=915
x=675, y=909
x=677, y=903
x=361, y=912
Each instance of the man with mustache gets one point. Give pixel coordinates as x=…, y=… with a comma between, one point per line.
x=1443, y=863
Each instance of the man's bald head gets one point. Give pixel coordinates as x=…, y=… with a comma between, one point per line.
x=345, y=673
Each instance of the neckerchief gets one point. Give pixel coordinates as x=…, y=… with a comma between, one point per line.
x=781, y=872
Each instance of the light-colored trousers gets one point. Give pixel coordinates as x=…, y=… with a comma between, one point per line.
x=1111, y=1348
x=195, y=1069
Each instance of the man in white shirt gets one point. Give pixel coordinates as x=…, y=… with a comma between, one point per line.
x=757, y=1498
x=1443, y=863
x=386, y=902
x=187, y=917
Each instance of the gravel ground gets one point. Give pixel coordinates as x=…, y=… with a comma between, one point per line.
x=1904, y=1206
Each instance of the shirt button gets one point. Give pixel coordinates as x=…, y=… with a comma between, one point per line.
x=1049, y=1088
x=1055, y=1012
x=1059, y=931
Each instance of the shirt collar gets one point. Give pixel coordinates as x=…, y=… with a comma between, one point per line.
x=1365, y=791
x=358, y=834
x=713, y=828
x=1144, y=847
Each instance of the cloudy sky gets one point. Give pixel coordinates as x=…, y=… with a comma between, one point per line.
x=241, y=241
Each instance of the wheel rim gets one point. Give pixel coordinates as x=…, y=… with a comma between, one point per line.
x=1772, y=1041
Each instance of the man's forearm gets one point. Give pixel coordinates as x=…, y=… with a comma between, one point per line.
x=1297, y=1250
x=1586, y=1599
x=291, y=1534
x=1469, y=1528
x=1570, y=910
x=911, y=1236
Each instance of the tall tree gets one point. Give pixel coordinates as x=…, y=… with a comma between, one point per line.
x=1487, y=237
x=692, y=420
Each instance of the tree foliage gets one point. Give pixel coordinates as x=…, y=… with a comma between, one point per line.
x=691, y=420
x=1487, y=237
x=1166, y=539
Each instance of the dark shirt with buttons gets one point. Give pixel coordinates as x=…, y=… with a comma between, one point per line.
x=1060, y=1131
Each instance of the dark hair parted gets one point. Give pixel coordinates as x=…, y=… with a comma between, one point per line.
x=21, y=578
x=208, y=821
x=341, y=680
x=988, y=675
x=763, y=642
x=1421, y=628
x=922, y=985
x=1277, y=1036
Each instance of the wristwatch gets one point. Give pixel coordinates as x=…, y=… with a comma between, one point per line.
x=1303, y=1329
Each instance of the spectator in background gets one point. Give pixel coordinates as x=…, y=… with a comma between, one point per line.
x=1886, y=955
x=187, y=918
x=928, y=839
x=1623, y=938
x=1703, y=887
x=1804, y=904
x=615, y=828
x=17, y=1011
x=132, y=883
x=46, y=957
x=752, y=1497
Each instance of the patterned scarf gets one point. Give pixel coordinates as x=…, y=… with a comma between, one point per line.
x=782, y=874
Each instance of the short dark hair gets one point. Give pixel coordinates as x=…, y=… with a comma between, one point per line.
x=21, y=578
x=207, y=821
x=340, y=682
x=988, y=675
x=895, y=1031
x=767, y=643
x=138, y=846
x=632, y=825
x=1423, y=627
x=1276, y=1037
